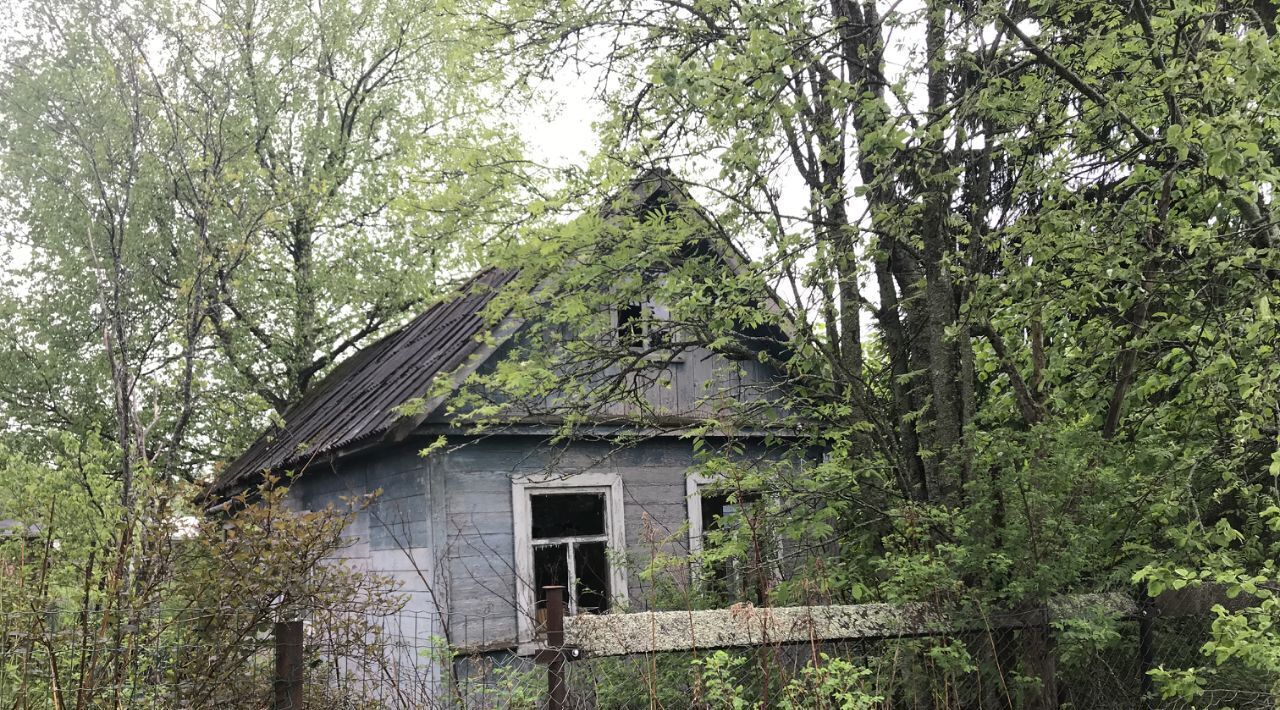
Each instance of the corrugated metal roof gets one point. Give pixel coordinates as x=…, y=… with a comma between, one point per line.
x=355, y=402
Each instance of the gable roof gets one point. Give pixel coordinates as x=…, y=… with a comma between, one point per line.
x=358, y=400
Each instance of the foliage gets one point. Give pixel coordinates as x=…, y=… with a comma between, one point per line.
x=194, y=628
x=1242, y=637
x=719, y=686
x=829, y=683
x=824, y=683
x=1013, y=276
x=203, y=208
x=253, y=190
x=998, y=296
x=519, y=689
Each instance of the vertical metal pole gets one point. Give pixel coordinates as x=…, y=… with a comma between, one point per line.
x=287, y=684
x=557, y=691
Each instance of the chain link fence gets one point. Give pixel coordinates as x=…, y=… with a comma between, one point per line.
x=215, y=658
x=1080, y=663
x=183, y=658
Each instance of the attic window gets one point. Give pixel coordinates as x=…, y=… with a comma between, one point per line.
x=631, y=326
x=639, y=326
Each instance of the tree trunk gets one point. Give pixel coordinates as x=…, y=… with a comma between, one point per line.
x=940, y=307
x=863, y=50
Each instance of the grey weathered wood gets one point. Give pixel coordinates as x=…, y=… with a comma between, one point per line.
x=463, y=569
x=649, y=632
x=397, y=537
x=452, y=514
x=462, y=522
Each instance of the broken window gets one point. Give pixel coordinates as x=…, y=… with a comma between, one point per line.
x=642, y=326
x=741, y=563
x=631, y=326
x=569, y=535
x=558, y=515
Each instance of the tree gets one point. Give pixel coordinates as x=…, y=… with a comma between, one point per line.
x=208, y=206
x=260, y=188
x=359, y=158
x=1057, y=216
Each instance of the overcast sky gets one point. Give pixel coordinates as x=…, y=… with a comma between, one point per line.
x=561, y=132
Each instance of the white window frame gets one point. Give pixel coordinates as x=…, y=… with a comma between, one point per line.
x=693, y=485
x=610, y=484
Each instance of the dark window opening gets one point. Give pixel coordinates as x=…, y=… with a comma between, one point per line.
x=550, y=568
x=567, y=515
x=714, y=507
x=592, y=585
x=657, y=333
x=733, y=578
x=718, y=576
x=570, y=549
x=631, y=326
x=642, y=327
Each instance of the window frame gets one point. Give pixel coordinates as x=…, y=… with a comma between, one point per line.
x=522, y=490
x=652, y=315
x=694, y=483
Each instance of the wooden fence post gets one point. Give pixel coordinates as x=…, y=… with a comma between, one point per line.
x=1040, y=654
x=286, y=686
x=1146, y=649
x=557, y=691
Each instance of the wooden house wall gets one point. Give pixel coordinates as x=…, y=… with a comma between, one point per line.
x=700, y=384
x=480, y=520
x=398, y=536
x=443, y=525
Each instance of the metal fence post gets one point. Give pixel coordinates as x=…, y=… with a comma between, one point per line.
x=286, y=686
x=557, y=691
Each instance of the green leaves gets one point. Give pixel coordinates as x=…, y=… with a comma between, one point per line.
x=257, y=189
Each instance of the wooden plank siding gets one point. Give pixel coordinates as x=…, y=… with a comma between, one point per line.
x=481, y=536
x=701, y=384
x=444, y=523
x=397, y=536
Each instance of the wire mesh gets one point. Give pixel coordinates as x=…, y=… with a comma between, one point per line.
x=960, y=671
x=184, y=658
x=1088, y=663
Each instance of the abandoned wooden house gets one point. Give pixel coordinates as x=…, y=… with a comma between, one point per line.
x=475, y=530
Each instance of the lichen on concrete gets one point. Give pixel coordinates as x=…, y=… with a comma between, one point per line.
x=745, y=625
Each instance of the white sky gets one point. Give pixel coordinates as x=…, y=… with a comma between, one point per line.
x=562, y=133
